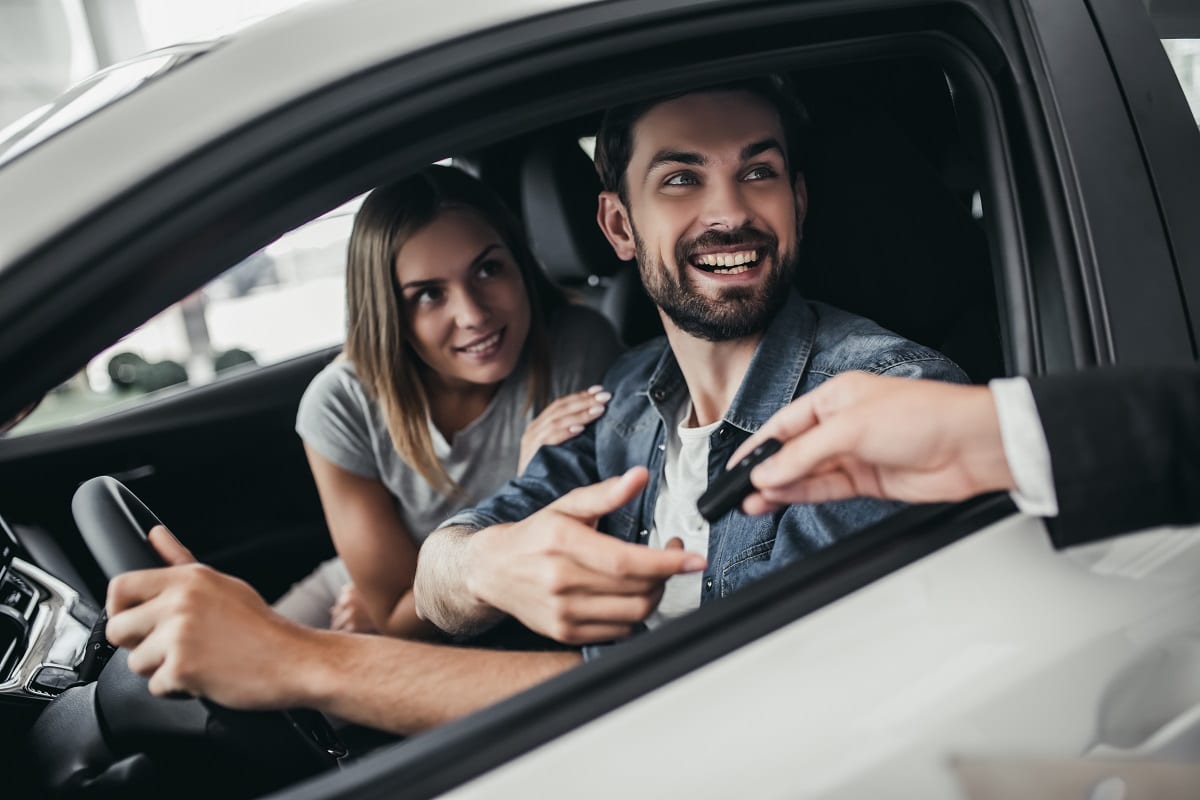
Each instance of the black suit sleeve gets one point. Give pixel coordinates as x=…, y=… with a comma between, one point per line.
x=1124, y=449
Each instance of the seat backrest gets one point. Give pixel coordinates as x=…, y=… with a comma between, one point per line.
x=890, y=233
x=559, y=190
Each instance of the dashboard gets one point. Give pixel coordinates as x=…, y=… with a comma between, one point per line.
x=44, y=628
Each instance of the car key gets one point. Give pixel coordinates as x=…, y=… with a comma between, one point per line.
x=731, y=487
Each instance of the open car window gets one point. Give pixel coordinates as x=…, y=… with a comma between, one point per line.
x=286, y=300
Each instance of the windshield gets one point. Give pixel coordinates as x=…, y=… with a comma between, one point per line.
x=89, y=96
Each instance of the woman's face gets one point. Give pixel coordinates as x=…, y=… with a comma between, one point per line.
x=463, y=299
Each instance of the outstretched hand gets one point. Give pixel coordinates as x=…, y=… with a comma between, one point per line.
x=862, y=435
x=555, y=573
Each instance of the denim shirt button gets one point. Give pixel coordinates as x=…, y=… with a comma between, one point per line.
x=658, y=394
x=708, y=584
x=723, y=431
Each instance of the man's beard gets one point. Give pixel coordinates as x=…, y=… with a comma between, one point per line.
x=738, y=311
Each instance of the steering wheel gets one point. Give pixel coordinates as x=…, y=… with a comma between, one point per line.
x=277, y=747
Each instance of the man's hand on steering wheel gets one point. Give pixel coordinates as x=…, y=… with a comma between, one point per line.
x=194, y=630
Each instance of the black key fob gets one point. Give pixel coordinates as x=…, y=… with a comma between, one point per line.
x=732, y=486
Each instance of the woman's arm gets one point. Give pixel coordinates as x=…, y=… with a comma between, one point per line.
x=375, y=545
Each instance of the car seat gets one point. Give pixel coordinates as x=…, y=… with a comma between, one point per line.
x=890, y=232
x=559, y=187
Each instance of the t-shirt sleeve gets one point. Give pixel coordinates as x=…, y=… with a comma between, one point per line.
x=333, y=420
x=584, y=346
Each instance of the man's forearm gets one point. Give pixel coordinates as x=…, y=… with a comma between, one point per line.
x=406, y=687
x=442, y=585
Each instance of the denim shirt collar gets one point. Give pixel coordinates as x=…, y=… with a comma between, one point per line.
x=771, y=380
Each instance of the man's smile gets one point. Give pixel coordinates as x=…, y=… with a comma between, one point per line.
x=727, y=263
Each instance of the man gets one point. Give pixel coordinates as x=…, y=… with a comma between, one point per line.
x=705, y=191
x=1097, y=453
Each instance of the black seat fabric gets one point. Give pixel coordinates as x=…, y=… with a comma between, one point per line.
x=890, y=234
x=559, y=187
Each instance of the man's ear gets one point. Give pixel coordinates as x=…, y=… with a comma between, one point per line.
x=613, y=219
x=800, y=188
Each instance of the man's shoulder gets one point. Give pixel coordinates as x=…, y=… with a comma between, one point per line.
x=634, y=367
x=846, y=342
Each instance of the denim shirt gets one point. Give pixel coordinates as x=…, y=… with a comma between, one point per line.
x=805, y=344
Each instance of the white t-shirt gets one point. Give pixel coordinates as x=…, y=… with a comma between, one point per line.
x=684, y=479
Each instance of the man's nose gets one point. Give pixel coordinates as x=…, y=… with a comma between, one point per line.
x=725, y=206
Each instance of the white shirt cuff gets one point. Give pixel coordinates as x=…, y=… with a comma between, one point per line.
x=1025, y=447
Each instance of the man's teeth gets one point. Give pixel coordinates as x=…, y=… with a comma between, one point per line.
x=733, y=271
x=484, y=345
x=727, y=259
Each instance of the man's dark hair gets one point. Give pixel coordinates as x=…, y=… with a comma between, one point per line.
x=614, y=141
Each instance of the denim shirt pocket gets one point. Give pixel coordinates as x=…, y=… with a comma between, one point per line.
x=741, y=569
x=621, y=524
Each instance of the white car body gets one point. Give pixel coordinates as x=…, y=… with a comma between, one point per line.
x=997, y=648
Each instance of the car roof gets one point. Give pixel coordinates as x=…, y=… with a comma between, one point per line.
x=262, y=67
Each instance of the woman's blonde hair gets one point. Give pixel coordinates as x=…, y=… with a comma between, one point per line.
x=376, y=339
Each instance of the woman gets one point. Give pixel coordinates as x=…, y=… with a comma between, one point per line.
x=456, y=344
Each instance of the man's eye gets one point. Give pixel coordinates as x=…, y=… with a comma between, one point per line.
x=760, y=173
x=681, y=179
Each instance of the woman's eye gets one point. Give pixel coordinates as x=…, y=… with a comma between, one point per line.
x=426, y=296
x=490, y=269
x=681, y=179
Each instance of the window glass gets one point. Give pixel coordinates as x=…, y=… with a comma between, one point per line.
x=1185, y=58
x=286, y=300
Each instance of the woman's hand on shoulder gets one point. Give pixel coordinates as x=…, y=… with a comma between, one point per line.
x=349, y=614
x=563, y=419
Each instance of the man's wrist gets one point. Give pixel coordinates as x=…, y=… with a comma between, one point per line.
x=315, y=672
x=478, y=561
x=984, y=446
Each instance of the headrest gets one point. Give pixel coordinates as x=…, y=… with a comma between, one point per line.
x=886, y=237
x=559, y=187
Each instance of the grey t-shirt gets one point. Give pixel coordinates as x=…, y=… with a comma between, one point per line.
x=338, y=420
